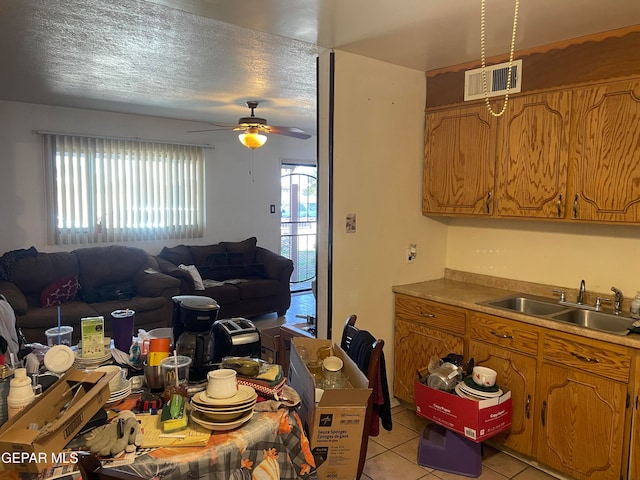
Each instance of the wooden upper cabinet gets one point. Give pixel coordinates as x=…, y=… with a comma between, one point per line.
x=533, y=156
x=606, y=153
x=459, y=168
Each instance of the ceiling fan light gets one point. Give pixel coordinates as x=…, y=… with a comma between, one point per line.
x=252, y=140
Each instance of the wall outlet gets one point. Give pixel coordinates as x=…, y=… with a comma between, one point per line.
x=411, y=253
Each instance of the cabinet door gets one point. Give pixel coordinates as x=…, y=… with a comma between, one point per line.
x=634, y=451
x=459, y=165
x=516, y=372
x=606, y=153
x=533, y=156
x=581, y=423
x=414, y=346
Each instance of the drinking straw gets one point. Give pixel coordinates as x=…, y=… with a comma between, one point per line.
x=59, y=341
x=175, y=363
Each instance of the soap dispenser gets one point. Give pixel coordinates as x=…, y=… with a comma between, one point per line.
x=635, y=306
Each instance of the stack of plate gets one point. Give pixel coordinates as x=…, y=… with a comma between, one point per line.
x=223, y=414
x=119, y=392
x=472, y=391
x=91, y=363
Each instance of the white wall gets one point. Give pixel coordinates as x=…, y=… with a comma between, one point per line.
x=379, y=119
x=237, y=203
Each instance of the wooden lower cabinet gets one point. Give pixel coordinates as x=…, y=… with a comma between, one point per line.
x=634, y=453
x=516, y=372
x=414, y=346
x=576, y=401
x=581, y=423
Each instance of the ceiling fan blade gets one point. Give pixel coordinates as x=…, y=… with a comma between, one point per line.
x=218, y=127
x=290, y=132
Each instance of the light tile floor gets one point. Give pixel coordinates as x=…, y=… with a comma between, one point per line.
x=393, y=455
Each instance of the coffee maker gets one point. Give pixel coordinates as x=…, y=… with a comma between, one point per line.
x=193, y=317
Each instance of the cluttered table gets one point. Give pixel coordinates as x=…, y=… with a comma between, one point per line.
x=270, y=445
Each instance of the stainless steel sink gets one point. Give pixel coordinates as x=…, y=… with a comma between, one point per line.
x=528, y=305
x=551, y=310
x=598, y=320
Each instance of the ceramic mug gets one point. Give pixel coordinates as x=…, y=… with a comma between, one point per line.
x=222, y=383
x=484, y=376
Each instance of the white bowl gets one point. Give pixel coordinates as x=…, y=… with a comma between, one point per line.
x=332, y=364
x=484, y=376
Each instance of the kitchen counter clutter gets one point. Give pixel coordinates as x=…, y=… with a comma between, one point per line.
x=574, y=390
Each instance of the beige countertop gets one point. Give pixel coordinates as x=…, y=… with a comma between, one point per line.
x=466, y=290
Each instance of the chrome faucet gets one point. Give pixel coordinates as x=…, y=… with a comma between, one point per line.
x=617, y=301
x=580, y=298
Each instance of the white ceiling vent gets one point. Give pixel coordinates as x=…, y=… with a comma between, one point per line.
x=496, y=80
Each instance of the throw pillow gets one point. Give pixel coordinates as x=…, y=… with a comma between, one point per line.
x=177, y=255
x=62, y=290
x=246, y=247
x=193, y=271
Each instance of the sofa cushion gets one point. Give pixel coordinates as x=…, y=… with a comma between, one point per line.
x=259, y=288
x=202, y=253
x=177, y=255
x=246, y=247
x=220, y=273
x=62, y=290
x=223, y=294
x=34, y=273
x=109, y=265
x=43, y=318
x=137, y=304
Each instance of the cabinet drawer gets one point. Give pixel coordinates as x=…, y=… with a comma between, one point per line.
x=602, y=359
x=438, y=315
x=499, y=331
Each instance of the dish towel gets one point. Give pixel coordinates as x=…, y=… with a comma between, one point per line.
x=360, y=352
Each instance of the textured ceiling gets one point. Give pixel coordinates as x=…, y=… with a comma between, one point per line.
x=201, y=59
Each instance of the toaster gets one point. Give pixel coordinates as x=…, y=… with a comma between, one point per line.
x=234, y=337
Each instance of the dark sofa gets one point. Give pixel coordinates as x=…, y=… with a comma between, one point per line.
x=109, y=278
x=250, y=280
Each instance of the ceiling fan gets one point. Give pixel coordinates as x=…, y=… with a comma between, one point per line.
x=254, y=129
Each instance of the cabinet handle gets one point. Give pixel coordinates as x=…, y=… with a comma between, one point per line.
x=527, y=407
x=428, y=315
x=559, y=205
x=585, y=359
x=575, y=205
x=501, y=335
x=488, y=202
x=543, y=413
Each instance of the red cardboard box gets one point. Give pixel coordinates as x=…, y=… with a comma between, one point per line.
x=474, y=420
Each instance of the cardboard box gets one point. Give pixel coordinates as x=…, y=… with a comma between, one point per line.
x=60, y=413
x=474, y=420
x=336, y=423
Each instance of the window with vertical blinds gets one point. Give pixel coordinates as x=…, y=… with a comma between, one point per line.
x=109, y=190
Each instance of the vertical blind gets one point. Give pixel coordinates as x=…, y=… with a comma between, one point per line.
x=109, y=190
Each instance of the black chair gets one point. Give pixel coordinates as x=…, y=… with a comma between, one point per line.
x=370, y=368
x=91, y=469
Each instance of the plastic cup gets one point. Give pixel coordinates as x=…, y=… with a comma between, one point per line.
x=59, y=338
x=169, y=369
x=122, y=325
